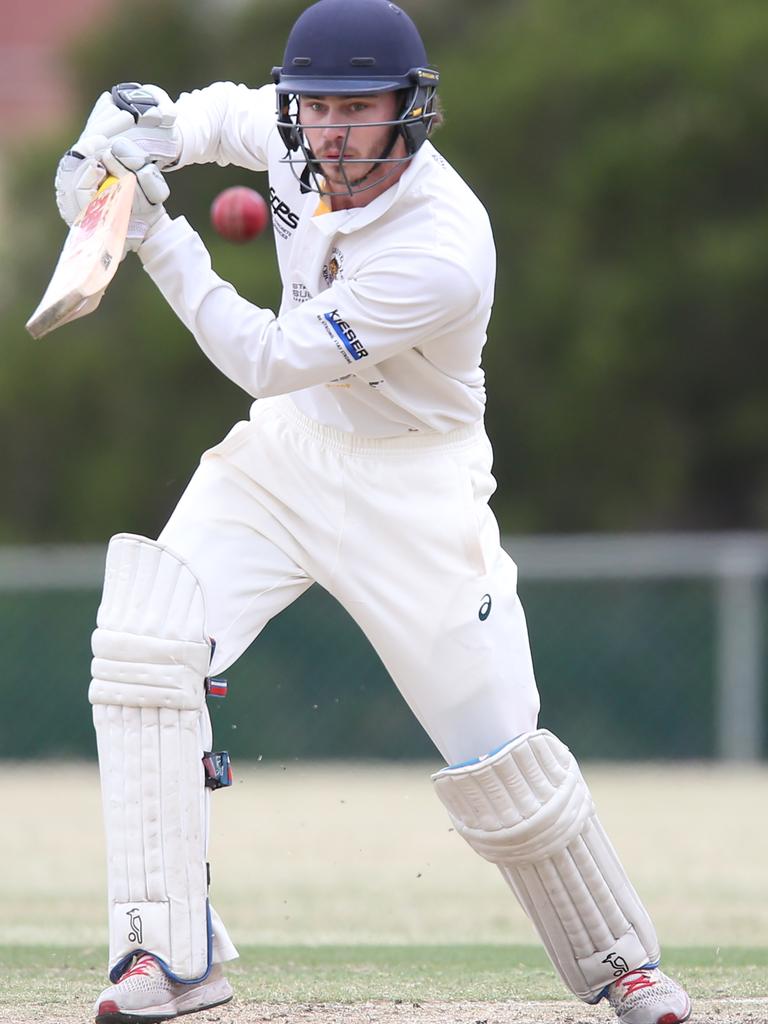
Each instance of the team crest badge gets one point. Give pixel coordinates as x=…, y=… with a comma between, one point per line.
x=333, y=268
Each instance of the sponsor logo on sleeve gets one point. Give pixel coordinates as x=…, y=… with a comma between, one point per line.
x=351, y=346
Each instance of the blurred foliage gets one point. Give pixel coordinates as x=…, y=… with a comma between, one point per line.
x=621, y=149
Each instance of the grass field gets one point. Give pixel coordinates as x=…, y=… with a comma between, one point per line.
x=352, y=900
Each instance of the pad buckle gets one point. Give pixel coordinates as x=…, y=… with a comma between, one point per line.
x=218, y=769
x=216, y=687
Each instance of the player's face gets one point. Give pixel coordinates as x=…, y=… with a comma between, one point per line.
x=325, y=120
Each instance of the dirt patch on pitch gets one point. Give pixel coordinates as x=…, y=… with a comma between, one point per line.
x=753, y=1011
x=709, y=1011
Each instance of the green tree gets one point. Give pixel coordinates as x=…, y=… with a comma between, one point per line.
x=620, y=149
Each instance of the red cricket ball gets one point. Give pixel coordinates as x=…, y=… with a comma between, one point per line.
x=239, y=214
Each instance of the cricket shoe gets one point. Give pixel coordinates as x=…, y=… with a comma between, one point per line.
x=146, y=995
x=648, y=996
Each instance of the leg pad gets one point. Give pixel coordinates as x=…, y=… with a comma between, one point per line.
x=527, y=808
x=151, y=656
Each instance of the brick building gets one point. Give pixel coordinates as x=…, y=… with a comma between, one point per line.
x=34, y=87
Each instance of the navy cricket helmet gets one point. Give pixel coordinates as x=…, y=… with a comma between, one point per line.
x=355, y=48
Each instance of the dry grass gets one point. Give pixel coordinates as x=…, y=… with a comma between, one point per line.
x=356, y=854
x=363, y=854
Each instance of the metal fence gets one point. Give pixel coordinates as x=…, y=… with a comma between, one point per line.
x=730, y=568
x=644, y=646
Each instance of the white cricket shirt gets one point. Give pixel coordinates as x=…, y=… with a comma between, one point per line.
x=384, y=308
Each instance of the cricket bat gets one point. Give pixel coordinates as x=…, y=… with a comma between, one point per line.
x=89, y=259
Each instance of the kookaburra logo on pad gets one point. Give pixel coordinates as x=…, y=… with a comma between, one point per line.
x=136, y=933
x=618, y=963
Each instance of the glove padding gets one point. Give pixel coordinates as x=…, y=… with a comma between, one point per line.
x=127, y=157
x=154, y=115
x=79, y=175
x=144, y=114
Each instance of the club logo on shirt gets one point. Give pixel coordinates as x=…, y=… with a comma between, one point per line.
x=284, y=219
x=341, y=329
x=333, y=268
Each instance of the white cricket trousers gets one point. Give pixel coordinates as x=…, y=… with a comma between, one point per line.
x=398, y=530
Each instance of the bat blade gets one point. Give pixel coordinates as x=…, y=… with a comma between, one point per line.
x=89, y=259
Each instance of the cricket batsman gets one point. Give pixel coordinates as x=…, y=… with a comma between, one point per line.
x=363, y=466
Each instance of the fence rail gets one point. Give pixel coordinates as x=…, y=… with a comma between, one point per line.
x=737, y=563
x=732, y=569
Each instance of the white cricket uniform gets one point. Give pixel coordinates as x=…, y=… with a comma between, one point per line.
x=364, y=465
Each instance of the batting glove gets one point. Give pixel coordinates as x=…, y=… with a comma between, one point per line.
x=143, y=113
x=127, y=157
x=79, y=175
x=154, y=116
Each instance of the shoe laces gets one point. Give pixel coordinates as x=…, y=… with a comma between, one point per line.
x=145, y=965
x=635, y=980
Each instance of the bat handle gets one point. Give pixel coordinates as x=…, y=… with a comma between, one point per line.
x=108, y=182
